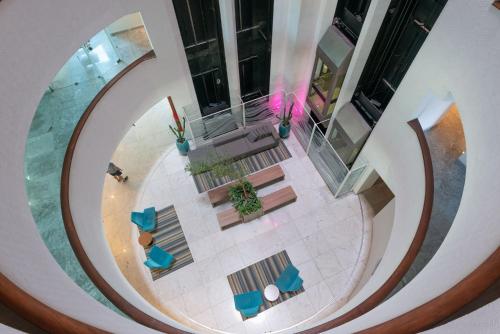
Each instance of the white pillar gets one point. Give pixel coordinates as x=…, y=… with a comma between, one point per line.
x=228, y=23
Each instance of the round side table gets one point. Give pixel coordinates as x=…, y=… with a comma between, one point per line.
x=145, y=239
x=271, y=292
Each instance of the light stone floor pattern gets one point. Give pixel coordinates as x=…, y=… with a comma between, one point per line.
x=324, y=237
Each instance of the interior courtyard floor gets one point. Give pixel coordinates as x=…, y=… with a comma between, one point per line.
x=327, y=239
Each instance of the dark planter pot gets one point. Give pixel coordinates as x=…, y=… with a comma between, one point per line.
x=183, y=147
x=284, y=130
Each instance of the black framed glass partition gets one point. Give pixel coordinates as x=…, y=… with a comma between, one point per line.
x=254, y=25
x=200, y=27
x=403, y=31
x=350, y=16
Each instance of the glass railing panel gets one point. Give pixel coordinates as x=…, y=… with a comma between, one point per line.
x=302, y=123
x=350, y=180
x=208, y=127
x=94, y=64
x=265, y=108
x=327, y=162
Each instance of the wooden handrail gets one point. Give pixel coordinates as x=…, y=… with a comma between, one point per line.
x=39, y=314
x=381, y=293
x=443, y=306
x=87, y=265
x=415, y=320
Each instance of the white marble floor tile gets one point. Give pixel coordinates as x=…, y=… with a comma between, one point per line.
x=288, y=233
x=219, y=291
x=309, y=273
x=230, y=260
x=327, y=264
x=226, y=315
x=196, y=301
x=338, y=283
x=202, y=249
x=176, y=304
x=316, y=244
x=188, y=278
x=257, y=324
x=298, y=252
x=238, y=328
x=319, y=295
x=206, y=318
x=278, y=317
x=210, y=269
x=299, y=307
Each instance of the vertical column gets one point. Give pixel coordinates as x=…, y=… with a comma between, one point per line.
x=371, y=26
x=228, y=23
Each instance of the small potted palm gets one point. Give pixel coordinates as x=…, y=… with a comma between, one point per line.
x=179, y=131
x=285, y=125
x=181, y=142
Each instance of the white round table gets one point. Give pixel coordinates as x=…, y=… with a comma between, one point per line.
x=271, y=292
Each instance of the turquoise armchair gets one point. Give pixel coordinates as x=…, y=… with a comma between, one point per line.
x=146, y=220
x=159, y=259
x=248, y=303
x=289, y=280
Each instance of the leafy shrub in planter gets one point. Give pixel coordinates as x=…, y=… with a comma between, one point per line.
x=244, y=198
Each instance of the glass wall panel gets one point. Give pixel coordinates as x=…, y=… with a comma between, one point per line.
x=200, y=27
x=327, y=162
x=254, y=23
x=403, y=31
x=350, y=180
x=265, y=108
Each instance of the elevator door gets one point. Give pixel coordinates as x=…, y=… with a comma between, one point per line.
x=200, y=27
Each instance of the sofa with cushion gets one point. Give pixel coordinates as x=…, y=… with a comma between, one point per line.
x=237, y=144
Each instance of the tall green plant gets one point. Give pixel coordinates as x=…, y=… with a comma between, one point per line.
x=179, y=131
x=242, y=194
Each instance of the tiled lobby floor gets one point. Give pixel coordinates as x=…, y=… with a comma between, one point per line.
x=322, y=236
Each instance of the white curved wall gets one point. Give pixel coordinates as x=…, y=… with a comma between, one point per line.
x=37, y=39
x=459, y=56
x=139, y=90
x=482, y=321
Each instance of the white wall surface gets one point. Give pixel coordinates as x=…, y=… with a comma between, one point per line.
x=8, y=330
x=485, y=320
x=381, y=231
x=298, y=26
x=371, y=26
x=125, y=23
x=460, y=56
x=228, y=23
x=37, y=39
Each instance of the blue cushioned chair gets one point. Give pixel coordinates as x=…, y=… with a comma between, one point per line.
x=145, y=220
x=159, y=259
x=289, y=280
x=248, y=303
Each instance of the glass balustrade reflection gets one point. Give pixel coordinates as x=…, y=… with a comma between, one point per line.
x=85, y=73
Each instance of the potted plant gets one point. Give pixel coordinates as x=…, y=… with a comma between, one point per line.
x=285, y=125
x=245, y=200
x=182, y=143
x=242, y=194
